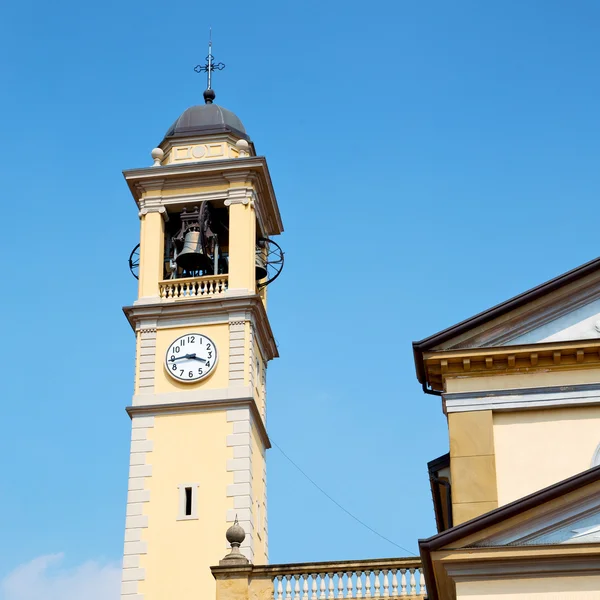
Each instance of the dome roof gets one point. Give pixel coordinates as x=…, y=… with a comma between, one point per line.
x=206, y=119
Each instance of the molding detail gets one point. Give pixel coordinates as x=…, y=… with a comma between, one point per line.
x=571, y=355
x=140, y=470
x=182, y=407
x=151, y=209
x=526, y=398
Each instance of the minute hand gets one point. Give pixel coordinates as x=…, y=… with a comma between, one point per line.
x=184, y=356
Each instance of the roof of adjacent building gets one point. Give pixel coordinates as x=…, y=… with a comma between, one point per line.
x=499, y=515
x=205, y=119
x=497, y=311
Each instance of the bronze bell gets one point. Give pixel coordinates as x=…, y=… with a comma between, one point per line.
x=192, y=257
x=260, y=264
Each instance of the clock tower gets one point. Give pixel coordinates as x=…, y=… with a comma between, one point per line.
x=207, y=213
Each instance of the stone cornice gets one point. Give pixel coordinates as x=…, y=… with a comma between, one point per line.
x=213, y=307
x=580, y=354
x=253, y=169
x=222, y=404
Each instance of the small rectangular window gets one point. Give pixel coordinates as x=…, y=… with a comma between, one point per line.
x=188, y=502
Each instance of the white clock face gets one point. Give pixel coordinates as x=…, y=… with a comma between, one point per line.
x=191, y=357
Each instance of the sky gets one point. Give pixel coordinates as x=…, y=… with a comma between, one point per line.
x=431, y=159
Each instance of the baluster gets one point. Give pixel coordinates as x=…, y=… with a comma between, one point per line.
x=288, y=588
x=403, y=582
x=305, y=587
x=386, y=584
x=296, y=587
x=340, y=585
x=359, y=584
x=168, y=290
x=422, y=588
x=377, y=583
x=322, y=576
x=413, y=582
x=394, y=583
x=279, y=588
x=349, y=593
x=313, y=593
x=367, y=584
x=330, y=595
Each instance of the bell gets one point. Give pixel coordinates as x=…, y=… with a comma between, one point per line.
x=192, y=257
x=260, y=264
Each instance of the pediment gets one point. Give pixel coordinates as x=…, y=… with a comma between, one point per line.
x=578, y=523
x=567, y=512
x=566, y=308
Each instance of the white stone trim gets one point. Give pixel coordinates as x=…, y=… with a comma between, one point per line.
x=241, y=468
x=181, y=516
x=193, y=396
x=146, y=360
x=140, y=471
x=521, y=399
x=237, y=349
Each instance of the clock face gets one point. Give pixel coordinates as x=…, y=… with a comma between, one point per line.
x=191, y=357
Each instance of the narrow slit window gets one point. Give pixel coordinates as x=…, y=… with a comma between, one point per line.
x=188, y=501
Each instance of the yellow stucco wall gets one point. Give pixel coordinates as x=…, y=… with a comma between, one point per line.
x=219, y=378
x=537, y=448
x=548, y=588
x=180, y=552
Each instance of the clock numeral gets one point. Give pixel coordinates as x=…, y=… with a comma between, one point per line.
x=190, y=374
x=200, y=370
x=210, y=355
x=207, y=365
x=174, y=367
x=181, y=373
x=182, y=342
x=172, y=357
x=208, y=347
x=191, y=339
x=176, y=349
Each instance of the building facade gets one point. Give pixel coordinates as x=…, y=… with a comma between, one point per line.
x=516, y=499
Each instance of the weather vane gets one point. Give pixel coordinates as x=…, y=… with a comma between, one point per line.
x=208, y=68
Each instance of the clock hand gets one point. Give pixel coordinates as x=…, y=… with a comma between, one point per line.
x=198, y=358
x=181, y=357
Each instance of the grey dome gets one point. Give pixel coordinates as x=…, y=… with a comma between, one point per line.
x=206, y=119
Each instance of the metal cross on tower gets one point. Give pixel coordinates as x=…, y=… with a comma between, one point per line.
x=208, y=68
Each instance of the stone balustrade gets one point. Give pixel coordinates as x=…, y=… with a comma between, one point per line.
x=377, y=578
x=192, y=287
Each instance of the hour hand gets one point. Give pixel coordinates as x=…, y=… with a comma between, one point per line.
x=197, y=358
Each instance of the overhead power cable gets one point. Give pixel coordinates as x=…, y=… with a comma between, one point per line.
x=338, y=504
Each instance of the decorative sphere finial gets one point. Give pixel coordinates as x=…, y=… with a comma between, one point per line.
x=209, y=96
x=243, y=147
x=157, y=155
x=235, y=536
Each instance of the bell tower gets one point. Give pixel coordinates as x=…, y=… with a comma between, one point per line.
x=208, y=214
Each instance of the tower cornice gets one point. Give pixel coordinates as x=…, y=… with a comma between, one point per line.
x=151, y=182
x=250, y=307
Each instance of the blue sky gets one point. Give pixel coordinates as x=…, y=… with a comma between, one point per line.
x=431, y=159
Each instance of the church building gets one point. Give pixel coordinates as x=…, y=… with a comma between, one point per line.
x=517, y=498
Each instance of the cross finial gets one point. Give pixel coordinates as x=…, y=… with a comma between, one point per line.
x=208, y=68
